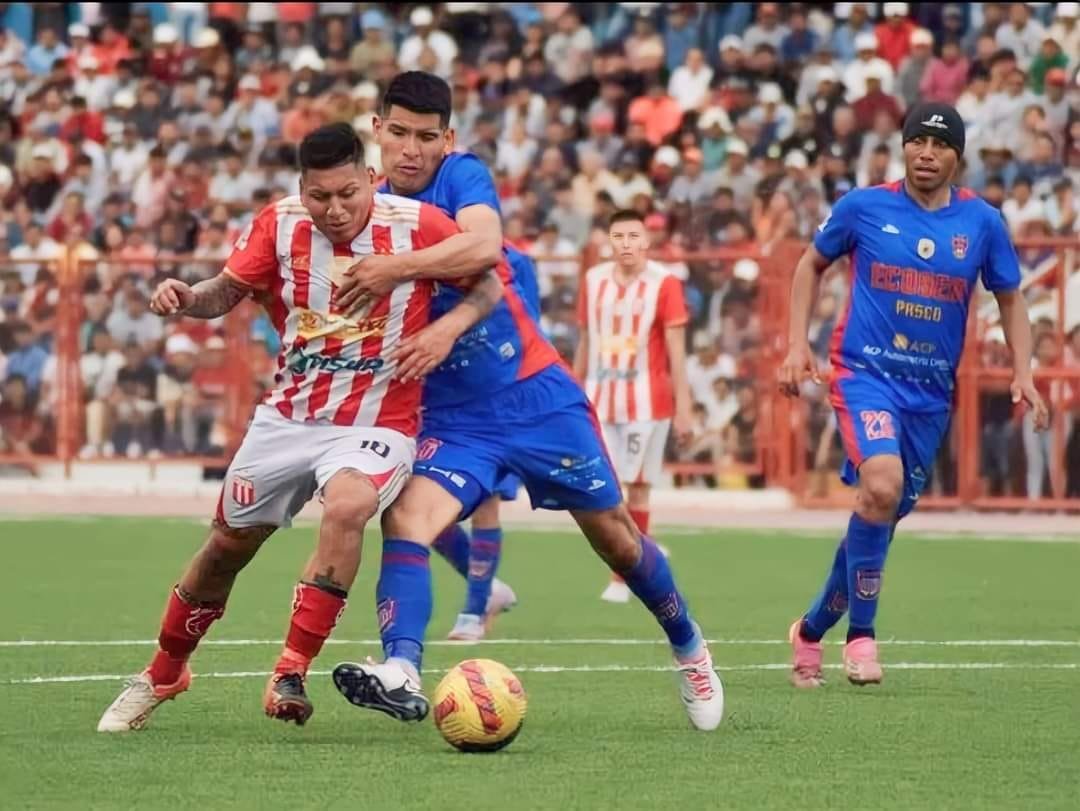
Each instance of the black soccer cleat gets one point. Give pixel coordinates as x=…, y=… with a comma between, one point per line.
x=286, y=699
x=384, y=687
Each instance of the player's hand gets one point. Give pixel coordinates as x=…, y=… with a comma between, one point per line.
x=419, y=354
x=683, y=426
x=1024, y=389
x=376, y=275
x=170, y=297
x=797, y=367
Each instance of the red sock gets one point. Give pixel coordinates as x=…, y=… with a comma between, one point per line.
x=641, y=518
x=183, y=625
x=314, y=615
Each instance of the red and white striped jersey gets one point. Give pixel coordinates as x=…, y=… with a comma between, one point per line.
x=336, y=366
x=628, y=377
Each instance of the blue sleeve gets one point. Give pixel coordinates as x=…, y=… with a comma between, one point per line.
x=469, y=183
x=1001, y=269
x=835, y=237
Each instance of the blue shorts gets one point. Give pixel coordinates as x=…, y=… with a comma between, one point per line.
x=507, y=487
x=871, y=424
x=541, y=429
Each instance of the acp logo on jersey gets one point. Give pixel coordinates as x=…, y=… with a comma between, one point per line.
x=959, y=245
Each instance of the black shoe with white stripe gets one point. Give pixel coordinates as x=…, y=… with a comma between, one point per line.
x=385, y=687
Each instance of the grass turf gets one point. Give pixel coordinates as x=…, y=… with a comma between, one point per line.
x=947, y=737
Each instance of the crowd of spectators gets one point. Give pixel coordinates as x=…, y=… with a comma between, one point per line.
x=135, y=133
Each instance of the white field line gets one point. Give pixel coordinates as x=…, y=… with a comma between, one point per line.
x=243, y=674
x=439, y=643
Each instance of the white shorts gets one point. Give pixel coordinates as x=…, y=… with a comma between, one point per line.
x=637, y=449
x=282, y=464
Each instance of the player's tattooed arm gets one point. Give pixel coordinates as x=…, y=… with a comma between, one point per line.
x=419, y=354
x=210, y=298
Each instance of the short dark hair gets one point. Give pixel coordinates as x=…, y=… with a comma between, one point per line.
x=625, y=215
x=419, y=92
x=329, y=147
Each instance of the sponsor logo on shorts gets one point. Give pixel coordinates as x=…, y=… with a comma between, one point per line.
x=877, y=424
x=596, y=484
x=376, y=447
x=868, y=583
x=427, y=448
x=243, y=491
x=386, y=611
x=454, y=478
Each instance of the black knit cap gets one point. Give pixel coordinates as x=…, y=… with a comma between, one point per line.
x=938, y=120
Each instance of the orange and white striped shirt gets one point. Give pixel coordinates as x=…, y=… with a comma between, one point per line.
x=628, y=377
x=335, y=366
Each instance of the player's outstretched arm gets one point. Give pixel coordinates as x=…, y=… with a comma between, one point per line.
x=421, y=353
x=1017, y=327
x=799, y=363
x=210, y=298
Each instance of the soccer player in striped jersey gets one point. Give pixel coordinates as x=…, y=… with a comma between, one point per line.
x=340, y=422
x=502, y=402
x=632, y=360
x=918, y=248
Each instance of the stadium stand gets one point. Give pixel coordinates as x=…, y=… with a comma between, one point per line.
x=137, y=140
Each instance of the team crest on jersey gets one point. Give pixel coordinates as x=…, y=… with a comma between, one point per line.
x=959, y=245
x=308, y=322
x=925, y=248
x=243, y=491
x=427, y=449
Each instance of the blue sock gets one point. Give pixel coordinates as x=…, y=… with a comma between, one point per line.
x=832, y=601
x=651, y=581
x=403, y=599
x=867, y=547
x=453, y=545
x=484, y=552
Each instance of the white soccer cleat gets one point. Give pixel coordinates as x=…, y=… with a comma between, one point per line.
x=616, y=592
x=502, y=598
x=139, y=698
x=701, y=690
x=468, y=628
x=385, y=687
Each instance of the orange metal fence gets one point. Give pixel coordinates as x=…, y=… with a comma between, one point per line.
x=784, y=445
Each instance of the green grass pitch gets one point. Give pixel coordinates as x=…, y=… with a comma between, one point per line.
x=992, y=722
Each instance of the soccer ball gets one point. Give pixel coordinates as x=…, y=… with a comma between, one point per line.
x=479, y=706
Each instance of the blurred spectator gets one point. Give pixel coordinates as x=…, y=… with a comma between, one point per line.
x=551, y=270
x=856, y=24
x=569, y=49
x=945, y=77
x=1038, y=446
x=35, y=245
x=997, y=162
x=1004, y=111
x=134, y=323
x=912, y=69
x=801, y=41
x=426, y=36
x=767, y=29
x=1050, y=56
x=1021, y=34
x=46, y=52
x=1066, y=30
x=22, y=431
x=131, y=405
x=875, y=102
x=894, y=34
x=866, y=63
x=27, y=359
x=689, y=84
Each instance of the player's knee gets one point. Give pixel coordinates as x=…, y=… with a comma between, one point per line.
x=230, y=548
x=349, y=501
x=881, y=486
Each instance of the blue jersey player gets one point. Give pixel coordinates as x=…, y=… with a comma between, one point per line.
x=499, y=401
x=917, y=249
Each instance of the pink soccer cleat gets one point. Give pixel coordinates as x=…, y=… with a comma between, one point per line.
x=861, y=661
x=805, y=660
